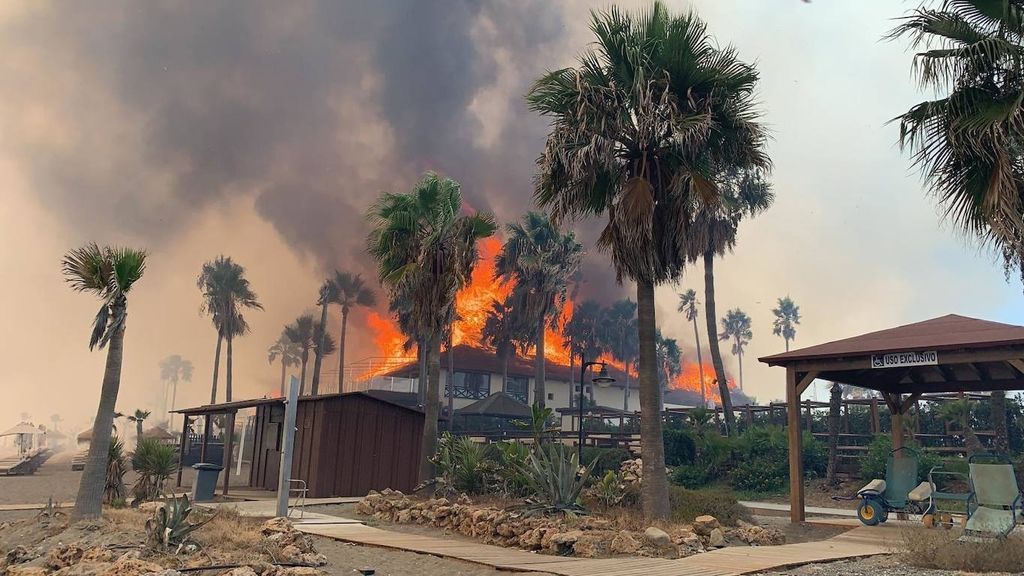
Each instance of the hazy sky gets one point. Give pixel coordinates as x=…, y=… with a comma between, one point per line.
x=263, y=131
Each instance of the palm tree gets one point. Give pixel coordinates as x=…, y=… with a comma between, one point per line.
x=744, y=194
x=835, y=404
x=966, y=142
x=109, y=273
x=688, y=304
x=669, y=362
x=618, y=333
x=328, y=293
x=425, y=252
x=503, y=331
x=226, y=293
x=324, y=345
x=736, y=327
x=350, y=291
x=997, y=403
x=55, y=419
x=306, y=333
x=288, y=352
x=541, y=260
x=646, y=120
x=581, y=337
x=959, y=411
x=787, y=317
x=174, y=369
x=138, y=418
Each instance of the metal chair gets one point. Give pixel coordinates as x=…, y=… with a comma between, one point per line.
x=994, y=499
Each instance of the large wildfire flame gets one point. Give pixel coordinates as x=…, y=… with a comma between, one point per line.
x=472, y=304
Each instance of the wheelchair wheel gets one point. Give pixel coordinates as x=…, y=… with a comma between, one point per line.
x=870, y=512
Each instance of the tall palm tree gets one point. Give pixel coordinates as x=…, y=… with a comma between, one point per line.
x=503, y=331
x=997, y=405
x=736, y=327
x=688, y=304
x=743, y=194
x=138, y=418
x=670, y=360
x=109, y=273
x=350, y=291
x=306, y=333
x=618, y=333
x=541, y=260
x=647, y=119
x=174, y=369
x=324, y=345
x=425, y=251
x=55, y=419
x=226, y=293
x=288, y=352
x=966, y=143
x=787, y=317
x=960, y=411
x=327, y=295
x=581, y=337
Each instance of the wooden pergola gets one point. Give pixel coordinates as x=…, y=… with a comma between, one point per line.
x=947, y=354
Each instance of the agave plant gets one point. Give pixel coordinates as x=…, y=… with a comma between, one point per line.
x=463, y=466
x=512, y=459
x=608, y=491
x=555, y=481
x=155, y=462
x=169, y=528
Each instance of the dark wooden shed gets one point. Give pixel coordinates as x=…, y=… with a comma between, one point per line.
x=345, y=444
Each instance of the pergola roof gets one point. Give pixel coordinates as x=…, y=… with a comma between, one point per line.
x=947, y=354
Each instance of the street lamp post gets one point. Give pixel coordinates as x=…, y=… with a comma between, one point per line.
x=601, y=378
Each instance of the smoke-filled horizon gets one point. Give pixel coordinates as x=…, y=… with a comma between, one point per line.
x=264, y=131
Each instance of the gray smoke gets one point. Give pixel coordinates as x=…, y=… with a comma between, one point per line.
x=308, y=108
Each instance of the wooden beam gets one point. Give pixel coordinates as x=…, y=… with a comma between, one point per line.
x=206, y=438
x=892, y=401
x=796, y=464
x=806, y=381
x=876, y=423
x=983, y=373
x=1017, y=364
x=947, y=373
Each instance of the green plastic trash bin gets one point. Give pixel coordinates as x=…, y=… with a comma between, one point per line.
x=205, y=483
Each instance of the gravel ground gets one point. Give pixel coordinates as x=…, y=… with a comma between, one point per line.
x=346, y=559
x=874, y=566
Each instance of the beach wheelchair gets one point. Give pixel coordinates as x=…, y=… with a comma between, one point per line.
x=900, y=492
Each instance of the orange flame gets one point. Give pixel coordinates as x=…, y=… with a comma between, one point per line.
x=690, y=377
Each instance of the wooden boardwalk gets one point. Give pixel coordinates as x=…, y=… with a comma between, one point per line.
x=729, y=561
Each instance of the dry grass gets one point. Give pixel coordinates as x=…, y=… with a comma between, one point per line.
x=230, y=532
x=940, y=550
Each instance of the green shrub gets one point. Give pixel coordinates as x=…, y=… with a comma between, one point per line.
x=759, y=475
x=554, y=480
x=680, y=447
x=155, y=462
x=815, y=456
x=463, y=466
x=113, y=488
x=872, y=464
x=722, y=504
x=512, y=458
x=605, y=459
x=691, y=476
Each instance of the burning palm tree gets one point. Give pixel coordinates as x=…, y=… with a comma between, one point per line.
x=425, y=252
x=540, y=259
x=110, y=274
x=646, y=120
x=581, y=337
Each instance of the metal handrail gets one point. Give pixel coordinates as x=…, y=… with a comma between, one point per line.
x=300, y=501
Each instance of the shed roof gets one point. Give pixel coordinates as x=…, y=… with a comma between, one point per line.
x=499, y=405
x=240, y=404
x=950, y=332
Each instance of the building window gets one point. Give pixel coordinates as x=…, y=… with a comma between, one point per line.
x=472, y=385
x=551, y=395
x=518, y=388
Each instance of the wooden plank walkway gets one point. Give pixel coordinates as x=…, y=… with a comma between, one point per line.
x=731, y=561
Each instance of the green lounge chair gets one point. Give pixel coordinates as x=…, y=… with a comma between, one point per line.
x=994, y=501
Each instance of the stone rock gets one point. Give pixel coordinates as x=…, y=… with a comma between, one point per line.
x=127, y=566
x=301, y=571
x=165, y=572
x=291, y=553
x=17, y=555
x=688, y=539
x=404, y=517
x=24, y=570
x=759, y=536
x=314, y=559
x=562, y=542
x=241, y=571
x=276, y=525
x=657, y=537
x=97, y=554
x=63, y=555
x=150, y=507
x=716, y=538
x=703, y=525
x=625, y=543
x=589, y=545
x=85, y=568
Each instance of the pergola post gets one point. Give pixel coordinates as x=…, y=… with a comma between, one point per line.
x=229, y=441
x=181, y=447
x=876, y=422
x=796, y=460
x=206, y=438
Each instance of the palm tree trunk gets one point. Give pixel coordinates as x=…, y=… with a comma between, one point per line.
x=572, y=377
x=450, y=379
x=429, y=445
x=227, y=371
x=341, y=349
x=625, y=389
x=174, y=399
x=539, y=394
x=138, y=432
x=700, y=366
x=835, y=403
x=654, y=489
x=302, y=377
x=504, y=373
x=787, y=344
x=421, y=390
x=716, y=351
x=216, y=367
x=739, y=356
x=998, y=409
x=319, y=357
x=89, y=503
x=284, y=369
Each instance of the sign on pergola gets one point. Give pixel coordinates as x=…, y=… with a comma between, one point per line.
x=947, y=354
